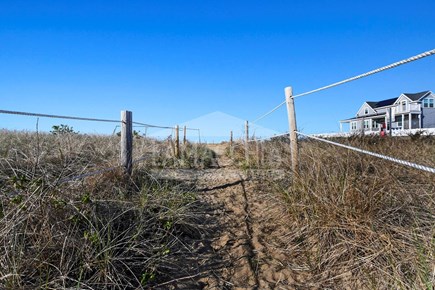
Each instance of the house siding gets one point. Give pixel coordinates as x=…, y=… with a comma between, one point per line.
x=428, y=117
x=361, y=110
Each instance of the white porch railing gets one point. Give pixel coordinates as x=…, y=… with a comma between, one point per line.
x=408, y=108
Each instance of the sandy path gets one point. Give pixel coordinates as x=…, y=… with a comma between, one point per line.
x=250, y=239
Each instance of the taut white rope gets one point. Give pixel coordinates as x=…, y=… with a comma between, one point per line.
x=153, y=126
x=268, y=113
x=387, y=67
x=268, y=138
x=399, y=161
x=57, y=116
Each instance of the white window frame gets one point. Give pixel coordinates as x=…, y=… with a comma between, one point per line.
x=366, y=111
x=366, y=124
x=353, y=125
x=429, y=103
x=374, y=125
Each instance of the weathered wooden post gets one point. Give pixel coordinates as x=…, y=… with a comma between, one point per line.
x=231, y=138
x=127, y=141
x=292, y=128
x=177, y=141
x=246, y=132
x=185, y=135
x=247, y=142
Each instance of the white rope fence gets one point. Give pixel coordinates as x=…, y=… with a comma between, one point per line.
x=268, y=113
x=57, y=116
x=80, y=119
x=399, y=161
x=372, y=72
x=269, y=137
x=153, y=126
x=97, y=172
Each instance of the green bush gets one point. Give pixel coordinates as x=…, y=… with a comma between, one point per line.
x=62, y=129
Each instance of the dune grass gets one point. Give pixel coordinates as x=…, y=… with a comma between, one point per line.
x=355, y=221
x=107, y=231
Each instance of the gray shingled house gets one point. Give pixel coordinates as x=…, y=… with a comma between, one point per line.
x=408, y=111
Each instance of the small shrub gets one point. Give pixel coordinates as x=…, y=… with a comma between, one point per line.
x=62, y=129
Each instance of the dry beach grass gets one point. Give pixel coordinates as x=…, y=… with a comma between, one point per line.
x=355, y=221
x=345, y=221
x=104, y=232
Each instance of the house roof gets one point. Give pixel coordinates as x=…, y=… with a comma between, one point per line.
x=382, y=103
x=416, y=96
x=388, y=102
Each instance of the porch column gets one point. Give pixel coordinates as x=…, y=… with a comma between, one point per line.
x=403, y=121
x=410, y=121
x=390, y=122
x=341, y=127
x=420, y=121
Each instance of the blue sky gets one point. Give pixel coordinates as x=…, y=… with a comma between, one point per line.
x=173, y=61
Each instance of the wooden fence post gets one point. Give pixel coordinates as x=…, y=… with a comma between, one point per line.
x=177, y=141
x=185, y=135
x=246, y=132
x=247, y=142
x=292, y=128
x=231, y=138
x=127, y=141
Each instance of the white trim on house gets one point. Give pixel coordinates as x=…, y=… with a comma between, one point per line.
x=399, y=99
x=361, y=111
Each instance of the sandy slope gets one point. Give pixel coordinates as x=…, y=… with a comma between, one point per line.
x=245, y=249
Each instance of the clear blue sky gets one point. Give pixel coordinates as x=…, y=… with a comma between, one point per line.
x=172, y=61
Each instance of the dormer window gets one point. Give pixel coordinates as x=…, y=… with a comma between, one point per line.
x=428, y=103
x=366, y=111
